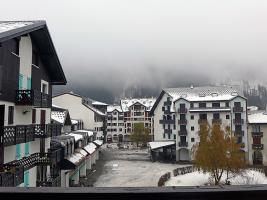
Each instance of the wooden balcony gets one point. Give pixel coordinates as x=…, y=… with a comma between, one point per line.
x=51, y=182
x=167, y=121
x=13, y=135
x=257, y=146
x=167, y=103
x=257, y=134
x=12, y=177
x=183, y=144
x=182, y=132
x=33, y=98
x=182, y=110
x=166, y=112
x=237, y=109
x=30, y=161
x=182, y=121
x=238, y=121
x=47, y=130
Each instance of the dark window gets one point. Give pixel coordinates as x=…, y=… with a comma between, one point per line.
x=10, y=114
x=227, y=116
x=168, y=108
x=192, y=128
x=191, y=105
x=169, y=136
x=174, y=136
x=202, y=105
x=182, y=105
x=216, y=116
x=216, y=104
x=163, y=108
x=256, y=140
x=33, y=116
x=227, y=104
x=163, y=126
x=168, y=98
x=203, y=116
x=183, y=139
x=192, y=139
x=183, y=127
x=174, y=126
x=237, y=104
x=163, y=135
x=182, y=116
x=192, y=117
x=169, y=126
x=239, y=140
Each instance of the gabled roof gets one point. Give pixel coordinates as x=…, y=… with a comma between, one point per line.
x=111, y=108
x=147, y=102
x=40, y=35
x=85, y=101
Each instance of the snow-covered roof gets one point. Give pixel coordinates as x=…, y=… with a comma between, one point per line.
x=90, y=133
x=147, y=102
x=76, y=158
x=81, y=151
x=8, y=26
x=58, y=116
x=90, y=148
x=257, y=117
x=156, y=145
x=73, y=121
x=98, y=142
x=208, y=93
x=94, y=102
x=55, y=106
x=252, y=108
x=111, y=108
x=77, y=137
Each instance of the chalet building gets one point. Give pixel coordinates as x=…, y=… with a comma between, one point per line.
x=29, y=67
x=61, y=116
x=257, y=137
x=178, y=113
x=82, y=108
x=121, y=118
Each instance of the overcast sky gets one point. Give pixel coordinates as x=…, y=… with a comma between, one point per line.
x=116, y=44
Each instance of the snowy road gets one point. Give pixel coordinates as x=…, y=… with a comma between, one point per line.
x=130, y=168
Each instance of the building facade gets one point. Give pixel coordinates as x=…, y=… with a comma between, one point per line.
x=257, y=137
x=81, y=108
x=29, y=66
x=121, y=118
x=178, y=113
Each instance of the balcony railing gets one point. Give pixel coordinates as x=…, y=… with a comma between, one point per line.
x=17, y=134
x=182, y=132
x=238, y=121
x=12, y=177
x=237, y=109
x=167, y=112
x=51, y=182
x=257, y=146
x=216, y=121
x=182, y=121
x=182, y=110
x=167, y=103
x=30, y=161
x=167, y=121
x=183, y=144
x=202, y=121
x=47, y=130
x=168, y=131
x=33, y=98
x=257, y=134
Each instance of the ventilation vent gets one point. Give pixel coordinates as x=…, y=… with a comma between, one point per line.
x=234, y=93
x=202, y=95
x=214, y=94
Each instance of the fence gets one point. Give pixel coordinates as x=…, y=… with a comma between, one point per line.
x=184, y=170
x=164, y=178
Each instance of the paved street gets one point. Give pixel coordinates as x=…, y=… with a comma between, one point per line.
x=126, y=168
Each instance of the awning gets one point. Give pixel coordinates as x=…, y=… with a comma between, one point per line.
x=98, y=142
x=77, y=137
x=76, y=158
x=156, y=145
x=81, y=151
x=90, y=148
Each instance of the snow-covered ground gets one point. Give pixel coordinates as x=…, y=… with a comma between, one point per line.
x=200, y=179
x=130, y=168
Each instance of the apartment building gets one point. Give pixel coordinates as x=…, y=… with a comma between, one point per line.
x=257, y=137
x=178, y=113
x=82, y=108
x=115, y=124
x=29, y=67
